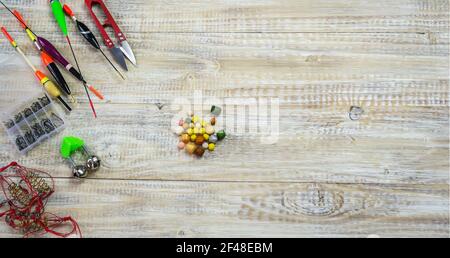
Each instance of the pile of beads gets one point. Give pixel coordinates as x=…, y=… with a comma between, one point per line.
x=198, y=135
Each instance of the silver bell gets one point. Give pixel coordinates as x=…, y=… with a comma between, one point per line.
x=80, y=172
x=93, y=163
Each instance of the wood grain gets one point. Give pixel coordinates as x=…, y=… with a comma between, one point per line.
x=259, y=15
x=386, y=173
x=400, y=80
x=106, y=208
x=315, y=145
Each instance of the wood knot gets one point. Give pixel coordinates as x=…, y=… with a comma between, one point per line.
x=315, y=201
x=313, y=59
x=355, y=113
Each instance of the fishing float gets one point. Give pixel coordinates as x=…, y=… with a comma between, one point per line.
x=89, y=36
x=60, y=18
x=50, y=49
x=48, y=85
x=47, y=60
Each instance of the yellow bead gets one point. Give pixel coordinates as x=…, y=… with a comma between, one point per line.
x=190, y=148
x=190, y=131
x=193, y=137
x=195, y=119
x=203, y=131
x=203, y=124
x=196, y=130
x=211, y=147
x=206, y=136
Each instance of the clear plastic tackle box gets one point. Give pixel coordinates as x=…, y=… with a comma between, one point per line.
x=32, y=122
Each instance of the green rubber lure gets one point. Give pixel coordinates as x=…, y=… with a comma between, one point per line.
x=70, y=145
x=58, y=12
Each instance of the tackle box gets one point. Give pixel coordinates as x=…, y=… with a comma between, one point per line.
x=32, y=122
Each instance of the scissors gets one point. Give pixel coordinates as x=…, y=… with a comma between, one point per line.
x=118, y=50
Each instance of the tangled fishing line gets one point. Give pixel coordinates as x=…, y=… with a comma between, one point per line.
x=26, y=194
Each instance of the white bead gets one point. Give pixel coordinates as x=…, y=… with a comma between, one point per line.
x=179, y=130
x=209, y=130
x=213, y=139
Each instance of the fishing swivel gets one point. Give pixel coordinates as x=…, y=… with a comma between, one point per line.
x=71, y=146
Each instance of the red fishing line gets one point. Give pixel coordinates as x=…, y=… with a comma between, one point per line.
x=26, y=194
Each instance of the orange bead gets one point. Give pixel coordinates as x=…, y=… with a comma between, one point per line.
x=185, y=138
x=200, y=140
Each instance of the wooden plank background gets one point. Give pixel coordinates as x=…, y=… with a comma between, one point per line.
x=385, y=174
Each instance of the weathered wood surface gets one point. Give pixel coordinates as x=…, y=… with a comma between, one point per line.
x=106, y=208
x=385, y=174
x=261, y=15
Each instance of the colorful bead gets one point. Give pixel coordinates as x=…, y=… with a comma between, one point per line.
x=198, y=135
x=178, y=130
x=210, y=130
x=213, y=139
x=216, y=110
x=199, y=152
x=185, y=138
x=199, y=140
x=221, y=135
x=190, y=148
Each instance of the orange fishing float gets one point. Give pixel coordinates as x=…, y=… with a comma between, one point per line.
x=48, y=85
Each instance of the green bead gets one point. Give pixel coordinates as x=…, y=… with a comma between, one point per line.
x=70, y=145
x=221, y=135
